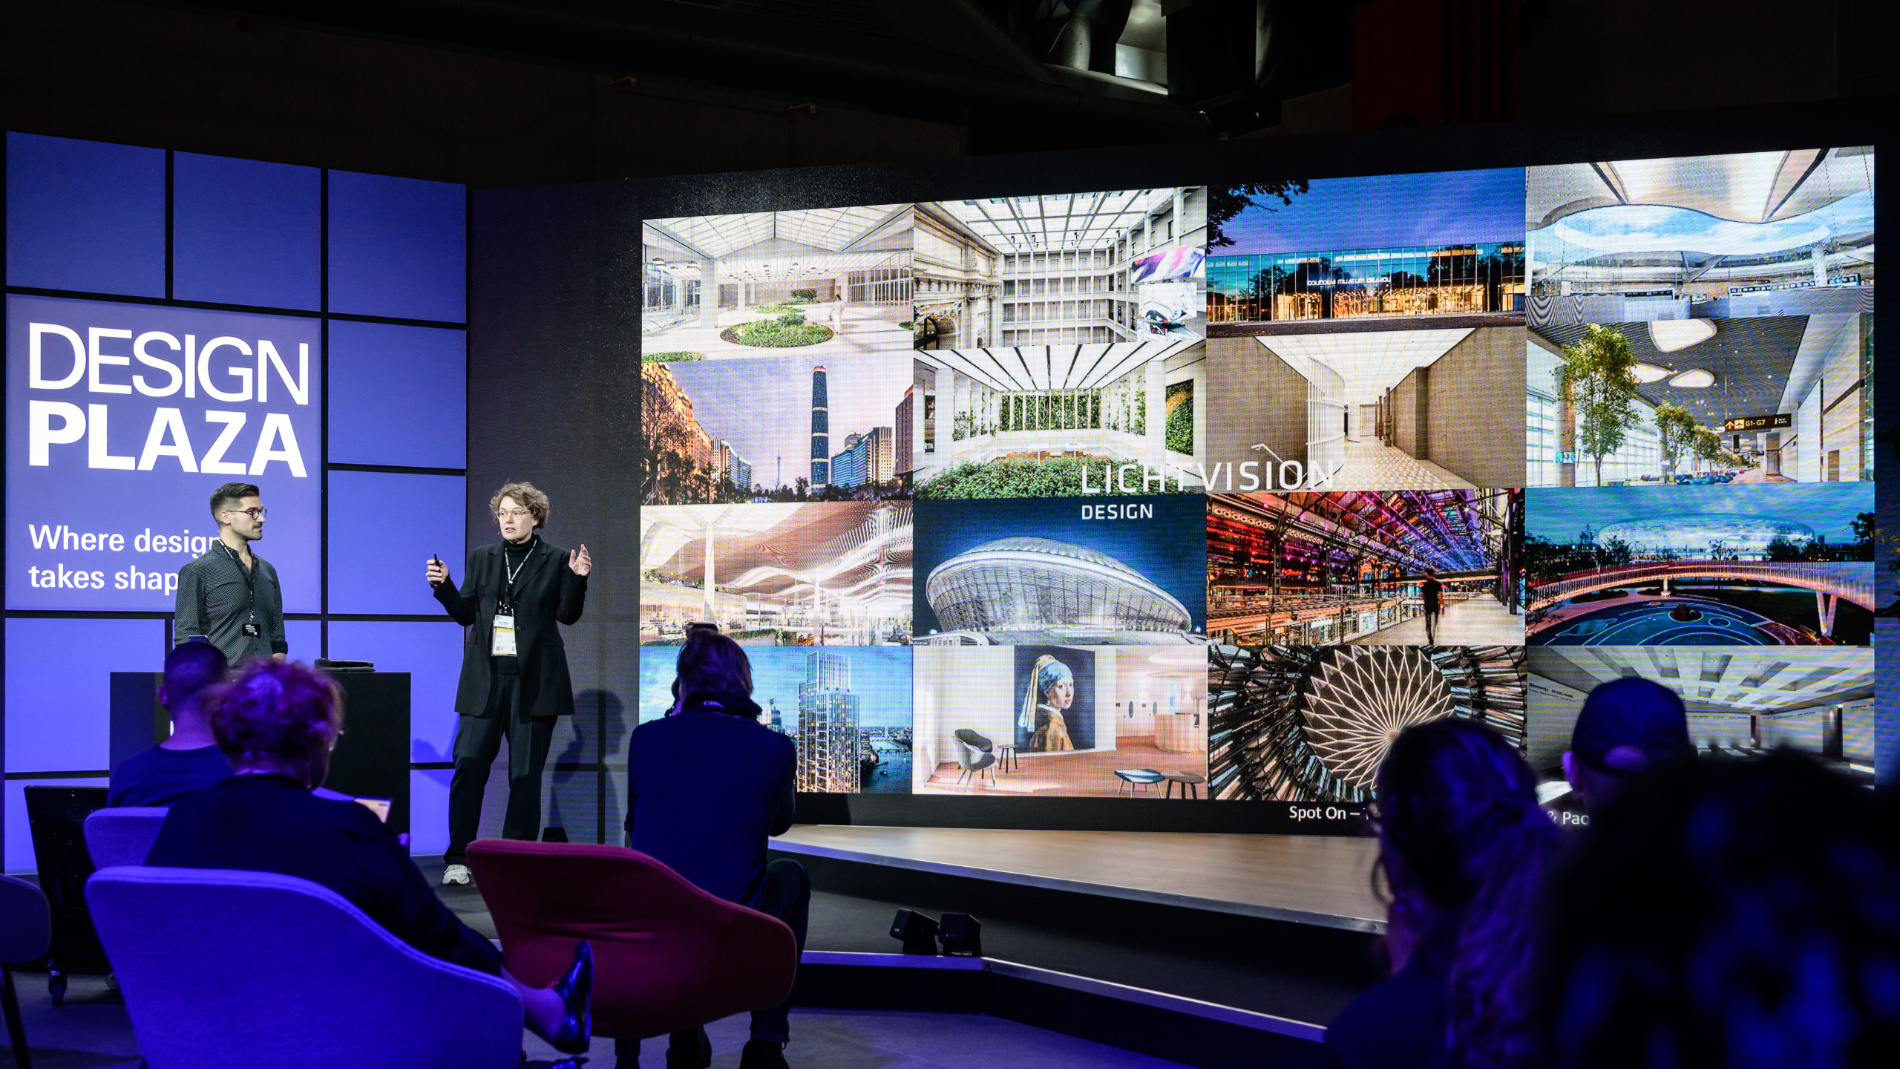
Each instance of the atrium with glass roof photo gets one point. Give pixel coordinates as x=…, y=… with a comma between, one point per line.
x=823, y=281
x=1046, y=419
x=1100, y=267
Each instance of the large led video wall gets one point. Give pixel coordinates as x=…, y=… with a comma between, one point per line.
x=1205, y=492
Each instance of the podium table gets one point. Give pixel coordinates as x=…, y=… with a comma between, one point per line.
x=371, y=759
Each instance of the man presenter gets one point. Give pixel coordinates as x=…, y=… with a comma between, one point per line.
x=229, y=596
x=514, y=664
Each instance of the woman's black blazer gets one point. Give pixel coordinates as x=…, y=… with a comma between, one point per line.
x=546, y=591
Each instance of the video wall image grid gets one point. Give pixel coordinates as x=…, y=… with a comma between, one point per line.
x=1209, y=491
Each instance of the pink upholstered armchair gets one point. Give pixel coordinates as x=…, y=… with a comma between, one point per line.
x=667, y=955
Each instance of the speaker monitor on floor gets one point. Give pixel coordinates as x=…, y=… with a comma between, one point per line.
x=918, y=932
x=961, y=935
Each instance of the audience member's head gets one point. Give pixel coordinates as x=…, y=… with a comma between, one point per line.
x=190, y=668
x=1627, y=725
x=1728, y=914
x=1464, y=845
x=278, y=717
x=712, y=666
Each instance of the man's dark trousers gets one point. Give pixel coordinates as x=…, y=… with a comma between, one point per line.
x=477, y=742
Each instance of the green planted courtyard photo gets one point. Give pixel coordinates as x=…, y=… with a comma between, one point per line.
x=787, y=331
x=1014, y=478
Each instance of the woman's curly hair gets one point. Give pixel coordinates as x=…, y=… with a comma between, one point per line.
x=280, y=716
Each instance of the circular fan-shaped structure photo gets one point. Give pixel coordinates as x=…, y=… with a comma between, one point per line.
x=1313, y=723
x=1359, y=699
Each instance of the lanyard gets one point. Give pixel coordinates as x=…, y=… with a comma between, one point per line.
x=516, y=570
x=250, y=582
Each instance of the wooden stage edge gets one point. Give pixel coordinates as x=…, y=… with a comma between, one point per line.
x=1300, y=879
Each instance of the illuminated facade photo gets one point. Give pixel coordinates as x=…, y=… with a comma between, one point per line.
x=824, y=281
x=1103, y=571
x=1063, y=268
x=1746, y=234
x=1445, y=246
x=1362, y=283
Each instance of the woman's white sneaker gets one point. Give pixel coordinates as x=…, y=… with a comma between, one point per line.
x=456, y=876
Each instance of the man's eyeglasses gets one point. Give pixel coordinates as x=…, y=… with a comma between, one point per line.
x=255, y=514
x=519, y=514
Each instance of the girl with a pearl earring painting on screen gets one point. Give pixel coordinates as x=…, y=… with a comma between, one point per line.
x=1050, y=692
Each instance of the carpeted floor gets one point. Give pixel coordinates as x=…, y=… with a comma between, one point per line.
x=92, y=1031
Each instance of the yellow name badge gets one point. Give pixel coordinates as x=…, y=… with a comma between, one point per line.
x=504, y=642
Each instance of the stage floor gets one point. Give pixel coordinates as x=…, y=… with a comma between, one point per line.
x=1305, y=879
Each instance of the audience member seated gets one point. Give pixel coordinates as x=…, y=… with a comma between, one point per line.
x=277, y=724
x=1626, y=725
x=707, y=786
x=190, y=759
x=1463, y=846
x=1728, y=913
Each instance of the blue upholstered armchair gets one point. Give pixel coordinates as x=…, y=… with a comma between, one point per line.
x=244, y=969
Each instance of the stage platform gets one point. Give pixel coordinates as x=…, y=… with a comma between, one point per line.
x=1317, y=880
x=1218, y=951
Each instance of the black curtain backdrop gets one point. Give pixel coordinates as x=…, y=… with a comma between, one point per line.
x=553, y=399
